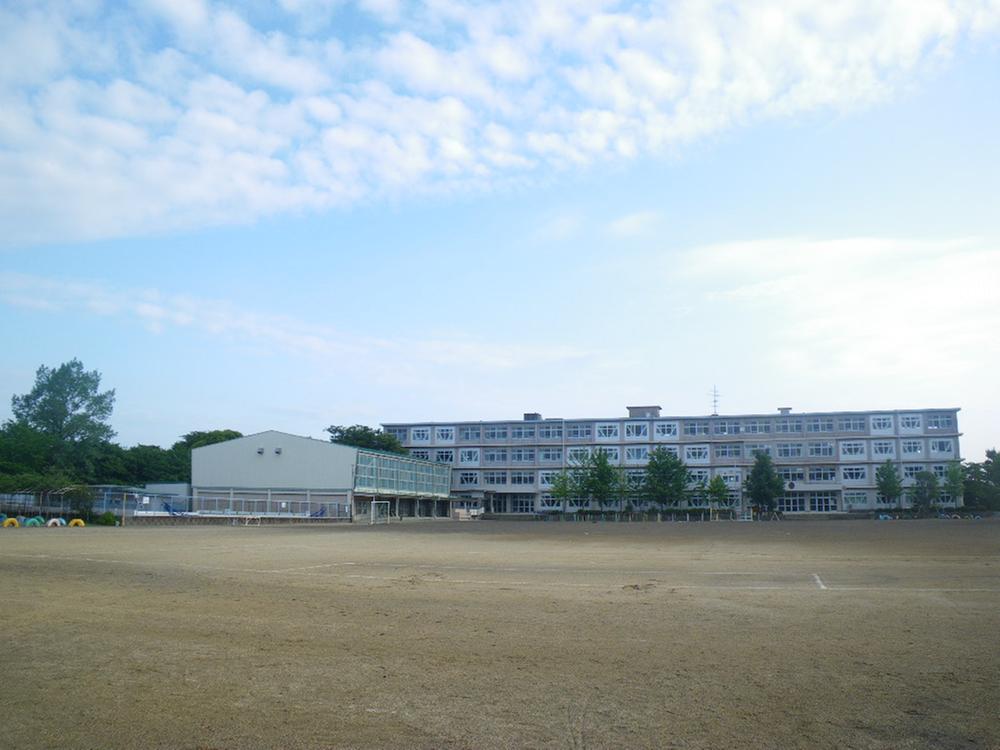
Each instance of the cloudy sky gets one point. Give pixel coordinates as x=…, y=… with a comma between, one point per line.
x=297, y=213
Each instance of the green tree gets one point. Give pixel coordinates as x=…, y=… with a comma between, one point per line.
x=982, y=483
x=924, y=493
x=666, y=482
x=718, y=492
x=66, y=404
x=565, y=487
x=362, y=436
x=599, y=482
x=888, y=482
x=764, y=486
x=954, y=482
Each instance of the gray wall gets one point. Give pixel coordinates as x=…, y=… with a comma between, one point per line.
x=303, y=463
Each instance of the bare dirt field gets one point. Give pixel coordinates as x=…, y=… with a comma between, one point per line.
x=853, y=634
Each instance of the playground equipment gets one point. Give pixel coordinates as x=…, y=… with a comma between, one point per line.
x=36, y=521
x=10, y=523
x=76, y=522
x=55, y=522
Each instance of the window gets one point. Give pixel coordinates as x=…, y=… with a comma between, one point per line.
x=853, y=448
x=522, y=504
x=444, y=434
x=522, y=455
x=520, y=432
x=883, y=448
x=672, y=449
x=912, y=447
x=550, y=455
x=822, y=502
x=610, y=452
x=731, y=478
x=397, y=432
x=607, y=431
x=756, y=448
x=548, y=501
x=696, y=453
x=792, y=473
x=420, y=435
x=495, y=455
x=788, y=425
x=856, y=498
x=910, y=471
x=522, y=477
x=756, y=426
x=854, y=473
x=728, y=450
x=577, y=455
x=664, y=430
x=881, y=424
x=789, y=450
x=696, y=428
x=636, y=431
x=941, y=446
x=637, y=453
x=822, y=474
x=820, y=449
x=468, y=456
x=470, y=433
x=494, y=477
x=550, y=431
x=909, y=422
x=819, y=424
x=445, y=457
x=468, y=478
x=421, y=454
x=727, y=427
x=940, y=422
x=792, y=504
x=578, y=431
x=495, y=432
x=852, y=424
x=940, y=471
x=883, y=500
x=546, y=478
x=635, y=478
x=698, y=476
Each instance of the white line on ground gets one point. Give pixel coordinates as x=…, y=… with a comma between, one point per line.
x=819, y=581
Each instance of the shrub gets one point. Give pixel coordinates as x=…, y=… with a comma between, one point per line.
x=106, y=519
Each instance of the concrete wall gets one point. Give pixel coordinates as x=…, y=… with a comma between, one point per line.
x=274, y=460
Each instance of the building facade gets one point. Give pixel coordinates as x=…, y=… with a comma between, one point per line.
x=827, y=459
x=274, y=473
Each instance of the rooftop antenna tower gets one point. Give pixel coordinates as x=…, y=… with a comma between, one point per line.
x=715, y=401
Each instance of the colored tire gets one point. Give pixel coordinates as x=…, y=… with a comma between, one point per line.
x=77, y=522
x=3, y=517
x=53, y=523
x=40, y=520
x=62, y=521
x=32, y=522
x=10, y=523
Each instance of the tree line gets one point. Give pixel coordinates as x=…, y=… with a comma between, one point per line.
x=60, y=435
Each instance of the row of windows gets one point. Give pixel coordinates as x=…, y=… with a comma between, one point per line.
x=850, y=473
x=670, y=429
x=693, y=453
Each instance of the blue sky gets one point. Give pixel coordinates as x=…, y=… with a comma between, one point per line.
x=309, y=212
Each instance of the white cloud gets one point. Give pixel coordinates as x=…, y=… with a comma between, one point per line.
x=634, y=224
x=438, y=96
x=232, y=325
x=860, y=309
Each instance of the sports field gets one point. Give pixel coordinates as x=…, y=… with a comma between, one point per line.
x=854, y=634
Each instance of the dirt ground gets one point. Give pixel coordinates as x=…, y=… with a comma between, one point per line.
x=851, y=634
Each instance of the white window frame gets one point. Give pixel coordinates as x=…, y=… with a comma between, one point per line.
x=877, y=446
x=852, y=448
x=697, y=454
x=420, y=435
x=636, y=454
x=881, y=424
x=444, y=435
x=665, y=430
x=607, y=431
x=637, y=430
x=440, y=454
x=468, y=455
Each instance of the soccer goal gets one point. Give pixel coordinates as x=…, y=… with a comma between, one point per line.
x=380, y=511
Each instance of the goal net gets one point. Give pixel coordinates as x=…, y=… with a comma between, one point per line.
x=380, y=511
